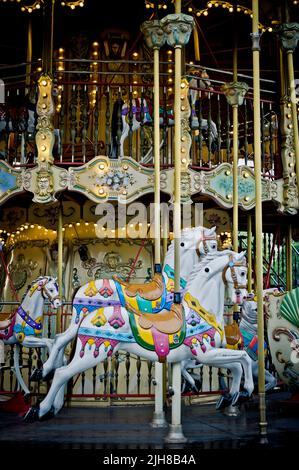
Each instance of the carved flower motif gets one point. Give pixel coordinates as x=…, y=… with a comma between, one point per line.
x=115, y=180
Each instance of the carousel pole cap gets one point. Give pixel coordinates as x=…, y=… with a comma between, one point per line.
x=158, y=268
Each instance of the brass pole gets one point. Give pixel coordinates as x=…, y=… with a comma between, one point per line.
x=157, y=219
x=249, y=253
x=258, y=219
x=235, y=144
x=294, y=111
x=235, y=179
x=159, y=420
x=29, y=54
x=59, y=267
x=175, y=434
x=289, y=259
x=196, y=43
x=52, y=37
x=177, y=160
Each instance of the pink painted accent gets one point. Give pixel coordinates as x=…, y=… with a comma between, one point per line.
x=199, y=337
x=116, y=318
x=106, y=290
x=161, y=341
x=98, y=342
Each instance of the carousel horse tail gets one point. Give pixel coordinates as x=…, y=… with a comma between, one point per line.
x=18, y=371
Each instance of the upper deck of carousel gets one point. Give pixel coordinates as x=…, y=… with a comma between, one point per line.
x=96, y=103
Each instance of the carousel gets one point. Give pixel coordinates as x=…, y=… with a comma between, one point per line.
x=149, y=178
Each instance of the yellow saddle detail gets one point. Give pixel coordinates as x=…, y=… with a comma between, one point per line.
x=194, y=304
x=99, y=319
x=91, y=289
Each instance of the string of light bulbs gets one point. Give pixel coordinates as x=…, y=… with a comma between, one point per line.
x=36, y=5
x=225, y=6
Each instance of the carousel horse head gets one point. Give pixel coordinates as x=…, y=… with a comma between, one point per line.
x=48, y=288
x=200, y=239
x=229, y=268
x=235, y=278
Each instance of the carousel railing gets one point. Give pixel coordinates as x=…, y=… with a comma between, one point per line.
x=275, y=259
x=123, y=378
x=90, y=104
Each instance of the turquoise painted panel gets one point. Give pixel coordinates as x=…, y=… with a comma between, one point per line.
x=223, y=185
x=7, y=180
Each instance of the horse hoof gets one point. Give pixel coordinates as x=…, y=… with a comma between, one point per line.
x=224, y=401
x=49, y=415
x=235, y=398
x=243, y=397
x=32, y=415
x=49, y=376
x=36, y=375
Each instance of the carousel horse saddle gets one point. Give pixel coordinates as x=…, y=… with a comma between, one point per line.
x=150, y=291
x=168, y=322
x=6, y=322
x=233, y=336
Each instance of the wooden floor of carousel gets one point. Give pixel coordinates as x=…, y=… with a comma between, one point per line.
x=128, y=427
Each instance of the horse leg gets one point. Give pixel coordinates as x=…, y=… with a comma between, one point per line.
x=18, y=371
x=220, y=357
x=271, y=381
x=191, y=364
x=60, y=341
x=64, y=374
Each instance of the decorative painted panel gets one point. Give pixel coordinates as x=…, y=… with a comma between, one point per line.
x=10, y=181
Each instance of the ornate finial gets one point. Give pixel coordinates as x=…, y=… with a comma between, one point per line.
x=178, y=28
x=289, y=36
x=153, y=34
x=235, y=92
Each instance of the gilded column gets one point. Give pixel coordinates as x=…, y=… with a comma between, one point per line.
x=289, y=36
x=258, y=217
x=155, y=39
x=235, y=93
x=178, y=28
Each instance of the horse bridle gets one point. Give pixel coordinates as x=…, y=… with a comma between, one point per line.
x=231, y=265
x=204, y=239
x=45, y=291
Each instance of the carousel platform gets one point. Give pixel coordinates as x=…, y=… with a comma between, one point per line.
x=129, y=428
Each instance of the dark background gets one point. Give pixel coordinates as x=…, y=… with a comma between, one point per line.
x=216, y=40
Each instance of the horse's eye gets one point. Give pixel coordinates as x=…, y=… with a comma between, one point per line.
x=182, y=244
x=242, y=273
x=207, y=270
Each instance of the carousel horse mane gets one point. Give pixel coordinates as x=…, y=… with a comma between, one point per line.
x=205, y=260
x=35, y=281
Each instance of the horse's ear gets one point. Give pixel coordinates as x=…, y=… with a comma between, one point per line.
x=213, y=229
x=240, y=256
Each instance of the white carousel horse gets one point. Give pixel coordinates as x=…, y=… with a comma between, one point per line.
x=139, y=107
x=167, y=336
x=99, y=293
x=248, y=330
x=25, y=326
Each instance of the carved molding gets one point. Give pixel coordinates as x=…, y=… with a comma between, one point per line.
x=235, y=92
x=289, y=36
x=153, y=34
x=178, y=28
